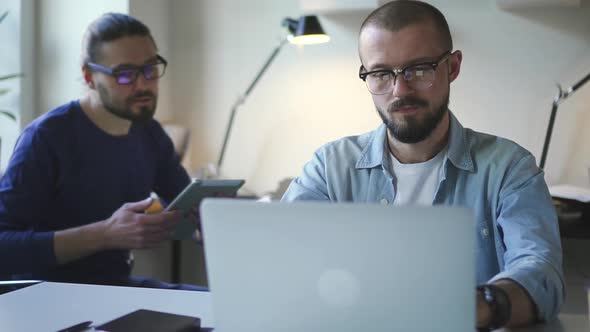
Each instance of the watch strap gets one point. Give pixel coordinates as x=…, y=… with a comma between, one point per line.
x=499, y=303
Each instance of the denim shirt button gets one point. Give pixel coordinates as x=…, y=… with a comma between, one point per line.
x=384, y=201
x=484, y=232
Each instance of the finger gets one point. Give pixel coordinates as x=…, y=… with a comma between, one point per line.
x=138, y=206
x=166, y=217
x=160, y=227
x=171, y=215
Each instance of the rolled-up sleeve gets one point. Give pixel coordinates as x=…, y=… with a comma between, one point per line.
x=532, y=247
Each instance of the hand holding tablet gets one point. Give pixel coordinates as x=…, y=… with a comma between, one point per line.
x=191, y=197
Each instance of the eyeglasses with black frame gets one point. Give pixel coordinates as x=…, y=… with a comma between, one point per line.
x=128, y=75
x=418, y=76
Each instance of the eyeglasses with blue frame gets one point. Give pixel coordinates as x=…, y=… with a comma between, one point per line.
x=128, y=75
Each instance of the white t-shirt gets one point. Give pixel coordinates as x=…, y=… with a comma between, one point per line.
x=417, y=183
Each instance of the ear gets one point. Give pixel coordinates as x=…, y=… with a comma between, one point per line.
x=455, y=60
x=88, y=79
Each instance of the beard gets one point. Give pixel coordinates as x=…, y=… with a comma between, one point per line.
x=146, y=112
x=412, y=129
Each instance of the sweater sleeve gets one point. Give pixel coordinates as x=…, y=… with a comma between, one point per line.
x=26, y=191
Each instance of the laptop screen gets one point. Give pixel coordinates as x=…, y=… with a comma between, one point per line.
x=310, y=266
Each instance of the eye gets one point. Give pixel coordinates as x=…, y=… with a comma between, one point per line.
x=381, y=75
x=419, y=71
x=152, y=69
x=125, y=75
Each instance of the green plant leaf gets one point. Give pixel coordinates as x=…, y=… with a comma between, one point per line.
x=7, y=77
x=3, y=16
x=8, y=114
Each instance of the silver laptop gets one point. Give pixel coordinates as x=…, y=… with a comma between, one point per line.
x=311, y=266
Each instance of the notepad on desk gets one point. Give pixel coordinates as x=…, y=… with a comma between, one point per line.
x=143, y=320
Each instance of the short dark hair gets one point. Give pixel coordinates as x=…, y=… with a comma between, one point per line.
x=109, y=27
x=396, y=15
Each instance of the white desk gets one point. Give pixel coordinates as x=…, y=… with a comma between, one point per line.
x=52, y=306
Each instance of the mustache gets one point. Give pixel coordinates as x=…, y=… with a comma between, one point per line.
x=142, y=94
x=407, y=101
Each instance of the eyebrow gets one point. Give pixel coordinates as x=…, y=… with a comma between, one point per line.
x=123, y=66
x=416, y=61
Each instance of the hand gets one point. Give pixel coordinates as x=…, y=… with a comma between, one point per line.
x=130, y=228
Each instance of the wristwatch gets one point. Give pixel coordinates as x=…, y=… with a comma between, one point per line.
x=499, y=303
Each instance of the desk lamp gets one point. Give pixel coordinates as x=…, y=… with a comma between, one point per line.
x=561, y=96
x=304, y=31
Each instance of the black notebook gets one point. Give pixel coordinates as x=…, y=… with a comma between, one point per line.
x=152, y=321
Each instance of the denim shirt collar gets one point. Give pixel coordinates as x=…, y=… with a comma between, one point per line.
x=374, y=154
x=459, y=150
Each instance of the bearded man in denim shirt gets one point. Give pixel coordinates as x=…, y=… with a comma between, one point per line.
x=422, y=155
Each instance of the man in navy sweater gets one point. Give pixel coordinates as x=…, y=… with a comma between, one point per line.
x=73, y=196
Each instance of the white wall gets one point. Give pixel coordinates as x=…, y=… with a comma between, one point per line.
x=61, y=25
x=511, y=63
x=310, y=96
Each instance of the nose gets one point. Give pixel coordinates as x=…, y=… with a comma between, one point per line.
x=401, y=87
x=141, y=82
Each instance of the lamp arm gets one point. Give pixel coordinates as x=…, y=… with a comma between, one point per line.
x=264, y=68
x=578, y=85
x=243, y=97
x=549, y=130
x=561, y=96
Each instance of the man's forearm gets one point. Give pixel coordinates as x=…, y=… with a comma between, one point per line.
x=75, y=243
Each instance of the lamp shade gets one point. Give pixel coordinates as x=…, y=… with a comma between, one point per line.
x=306, y=30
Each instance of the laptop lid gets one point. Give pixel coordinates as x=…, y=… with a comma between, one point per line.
x=311, y=266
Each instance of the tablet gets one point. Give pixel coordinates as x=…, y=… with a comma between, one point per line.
x=191, y=197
